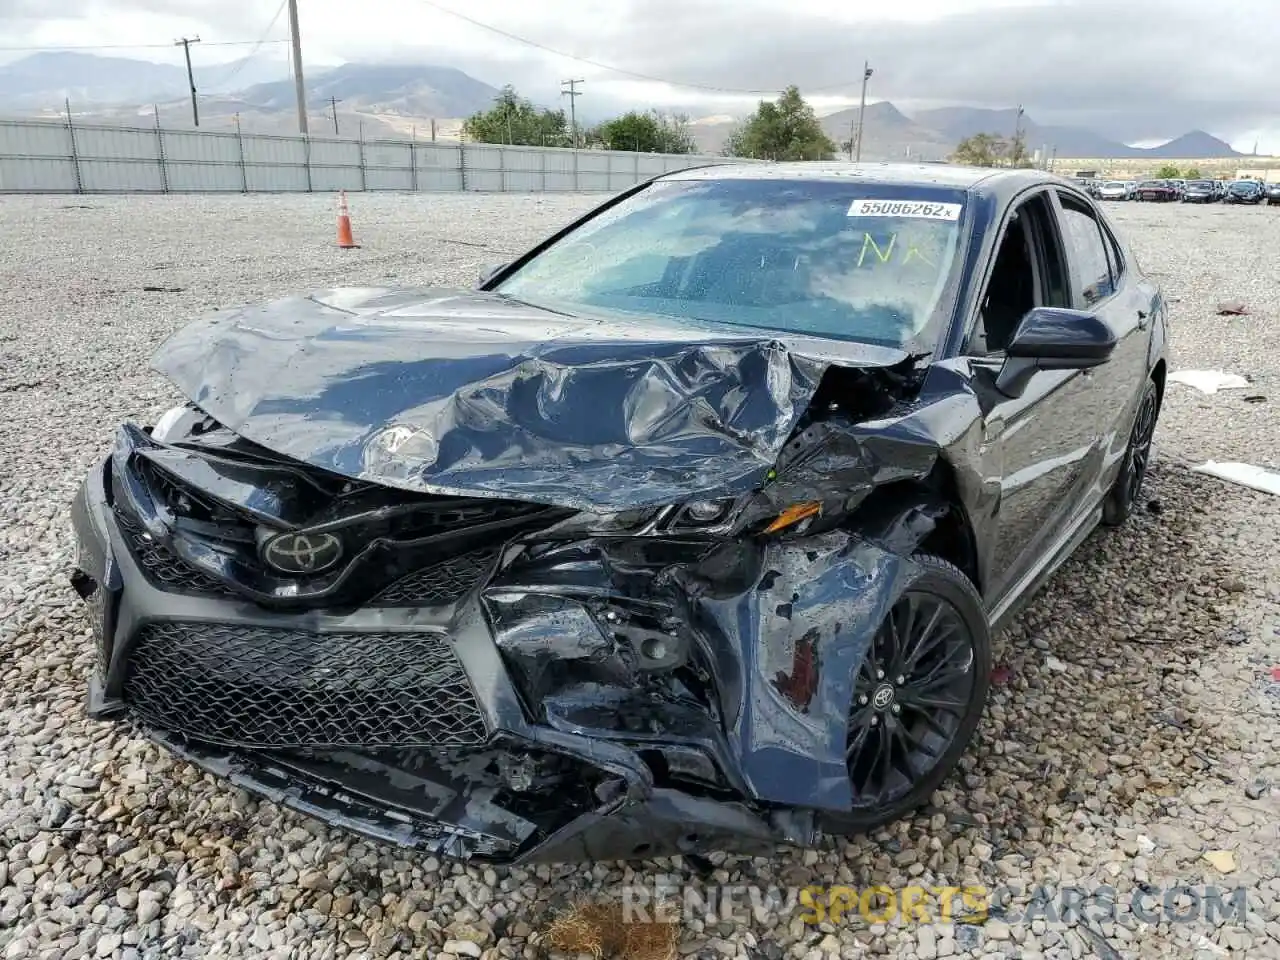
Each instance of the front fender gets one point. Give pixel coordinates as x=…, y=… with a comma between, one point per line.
x=802, y=630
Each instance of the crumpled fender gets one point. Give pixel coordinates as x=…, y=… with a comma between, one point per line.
x=801, y=632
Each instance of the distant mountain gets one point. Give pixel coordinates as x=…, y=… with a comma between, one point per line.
x=887, y=134
x=957, y=123
x=44, y=80
x=395, y=100
x=403, y=90
x=1194, y=145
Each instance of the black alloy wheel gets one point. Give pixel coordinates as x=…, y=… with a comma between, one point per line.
x=917, y=697
x=1124, y=493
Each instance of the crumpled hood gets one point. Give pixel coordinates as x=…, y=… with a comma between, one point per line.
x=469, y=393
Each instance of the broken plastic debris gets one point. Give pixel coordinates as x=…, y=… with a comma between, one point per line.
x=1209, y=381
x=1232, y=308
x=1224, y=861
x=1245, y=474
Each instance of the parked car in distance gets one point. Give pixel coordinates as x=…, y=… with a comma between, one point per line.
x=1272, y=193
x=1200, y=191
x=1130, y=186
x=676, y=531
x=1155, y=191
x=1113, y=190
x=1245, y=191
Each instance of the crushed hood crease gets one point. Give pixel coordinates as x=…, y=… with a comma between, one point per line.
x=463, y=393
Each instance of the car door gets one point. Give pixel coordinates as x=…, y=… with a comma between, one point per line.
x=1104, y=285
x=1035, y=447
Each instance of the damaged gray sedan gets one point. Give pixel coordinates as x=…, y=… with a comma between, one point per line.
x=687, y=529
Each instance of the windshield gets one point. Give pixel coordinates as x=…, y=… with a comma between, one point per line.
x=1151, y=184
x=867, y=262
x=1201, y=184
x=1113, y=185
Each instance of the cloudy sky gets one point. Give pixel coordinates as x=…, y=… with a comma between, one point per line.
x=1136, y=70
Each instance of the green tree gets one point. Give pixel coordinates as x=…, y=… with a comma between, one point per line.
x=1168, y=172
x=980, y=150
x=650, y=132
x=786, y=129
x=512, y=119
x=1193, y=173
x=991, y=150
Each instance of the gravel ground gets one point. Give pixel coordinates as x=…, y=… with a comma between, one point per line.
x=1131, y=741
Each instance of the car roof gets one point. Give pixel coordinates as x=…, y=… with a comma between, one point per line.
x=983, y=179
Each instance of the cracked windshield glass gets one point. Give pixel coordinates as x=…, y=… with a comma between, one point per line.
x=820, y=258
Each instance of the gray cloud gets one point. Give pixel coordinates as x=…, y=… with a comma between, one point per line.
x=1142, y=69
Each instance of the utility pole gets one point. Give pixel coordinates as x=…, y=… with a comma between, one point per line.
x=1014, y=151
x=862, y=108
x=573, y=94
x=333, y=105
x=185, y=43
x=299, y=87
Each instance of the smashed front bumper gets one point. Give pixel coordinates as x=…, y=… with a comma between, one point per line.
x=493, y=727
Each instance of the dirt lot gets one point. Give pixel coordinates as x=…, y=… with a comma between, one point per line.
x=1130, y=747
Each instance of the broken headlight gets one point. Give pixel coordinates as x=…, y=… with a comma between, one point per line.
x=696, y=516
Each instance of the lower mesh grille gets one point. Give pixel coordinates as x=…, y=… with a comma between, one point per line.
x=166, y=569
x=262, y=687
x=445, y=582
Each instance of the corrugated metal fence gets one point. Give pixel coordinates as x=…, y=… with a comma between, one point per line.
x=40, y=156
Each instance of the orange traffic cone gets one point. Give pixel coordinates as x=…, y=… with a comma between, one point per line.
x=345, y=240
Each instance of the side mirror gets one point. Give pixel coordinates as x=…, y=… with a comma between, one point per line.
x=489, y=271
x=1052, y=338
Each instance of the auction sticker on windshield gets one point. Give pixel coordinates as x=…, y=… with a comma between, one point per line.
x=921, y=209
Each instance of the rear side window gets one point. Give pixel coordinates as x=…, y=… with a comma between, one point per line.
x=1087, y=249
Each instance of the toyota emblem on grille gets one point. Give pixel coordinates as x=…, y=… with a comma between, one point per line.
x=302, y=552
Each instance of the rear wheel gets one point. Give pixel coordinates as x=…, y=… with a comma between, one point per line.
x=1124, y=493
x=918, y=697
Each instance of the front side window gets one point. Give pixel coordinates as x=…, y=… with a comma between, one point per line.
x=1085, y=247
x=866, y=262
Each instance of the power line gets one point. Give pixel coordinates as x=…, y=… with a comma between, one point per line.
x=609, y=67
x=135, y=46
x=238, y=66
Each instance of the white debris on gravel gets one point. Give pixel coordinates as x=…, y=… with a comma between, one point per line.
x=1246, y=474
x=1209, y=381
x=1133, y=733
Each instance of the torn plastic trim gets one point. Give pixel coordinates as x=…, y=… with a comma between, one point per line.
x=624, y=825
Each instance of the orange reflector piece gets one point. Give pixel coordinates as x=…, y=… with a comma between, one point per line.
x=793, y=515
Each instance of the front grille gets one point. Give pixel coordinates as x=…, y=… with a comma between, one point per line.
x=442, y=583
x=165, y=569
x=262, y=687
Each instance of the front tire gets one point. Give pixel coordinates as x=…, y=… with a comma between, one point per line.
x=1124, y=493
x=918, y=697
